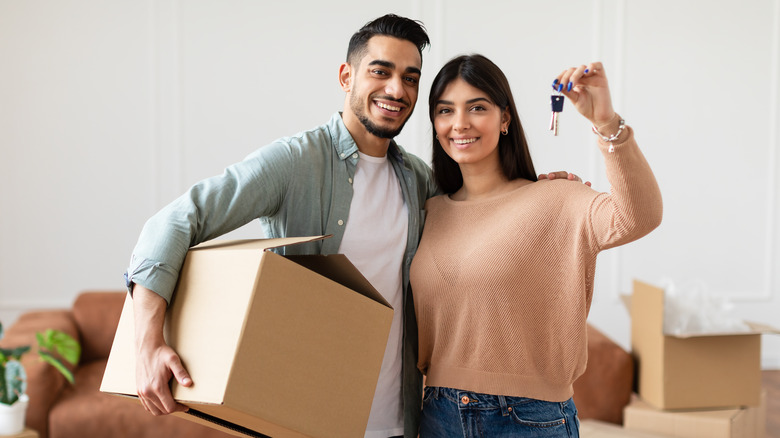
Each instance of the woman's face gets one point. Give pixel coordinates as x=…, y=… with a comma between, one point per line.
x=468, y=124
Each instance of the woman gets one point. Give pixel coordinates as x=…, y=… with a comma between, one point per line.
x=503, y=277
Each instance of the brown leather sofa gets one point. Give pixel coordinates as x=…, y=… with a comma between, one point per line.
x=59, y=410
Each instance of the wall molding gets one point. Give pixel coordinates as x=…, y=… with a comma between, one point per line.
x=613, y=55
x=37, y=304
x=772, y=229
x=772, y=250
x=166, y=69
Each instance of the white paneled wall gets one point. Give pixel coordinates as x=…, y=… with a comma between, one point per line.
x=108, y=110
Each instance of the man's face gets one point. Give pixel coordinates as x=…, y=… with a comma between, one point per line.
x=385, y=84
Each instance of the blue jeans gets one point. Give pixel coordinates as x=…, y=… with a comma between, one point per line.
x=452, y=413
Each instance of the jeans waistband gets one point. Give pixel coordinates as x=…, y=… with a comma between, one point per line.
x=476, y=400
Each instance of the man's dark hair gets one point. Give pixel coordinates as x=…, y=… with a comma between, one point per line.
x=387, y=25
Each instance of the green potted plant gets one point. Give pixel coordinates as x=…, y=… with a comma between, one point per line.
x=13, y=380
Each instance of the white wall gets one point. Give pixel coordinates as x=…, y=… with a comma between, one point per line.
x=108, y=110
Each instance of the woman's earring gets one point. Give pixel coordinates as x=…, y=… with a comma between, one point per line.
x=505, y=131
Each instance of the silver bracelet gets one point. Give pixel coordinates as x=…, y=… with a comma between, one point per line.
x=614, y=136
x=611, y=138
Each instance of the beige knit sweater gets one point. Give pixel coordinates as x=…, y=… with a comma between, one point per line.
x=503, y=286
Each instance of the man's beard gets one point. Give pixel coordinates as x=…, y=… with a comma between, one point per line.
x=370, y=126
x=378, y=131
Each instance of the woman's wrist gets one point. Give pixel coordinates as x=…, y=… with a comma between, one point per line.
x=610, y=133
x=610, y=127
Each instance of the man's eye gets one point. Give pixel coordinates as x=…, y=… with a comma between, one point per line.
x=378, y=72
x=412, y=80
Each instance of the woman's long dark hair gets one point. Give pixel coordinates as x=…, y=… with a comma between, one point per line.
x=481, y=73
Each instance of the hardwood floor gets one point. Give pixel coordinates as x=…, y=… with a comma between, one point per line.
x=771, y=382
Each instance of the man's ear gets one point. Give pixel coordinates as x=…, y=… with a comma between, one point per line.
x=345, y=77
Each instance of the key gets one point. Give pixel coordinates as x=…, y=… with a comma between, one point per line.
x=557, y=107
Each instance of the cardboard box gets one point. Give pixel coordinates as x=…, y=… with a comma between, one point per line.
x=599, y=429
x=26, y=433
x=695, y=371
x=282, y=346
x=723, y=423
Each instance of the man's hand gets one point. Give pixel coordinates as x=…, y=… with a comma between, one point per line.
x=562, y=174
x=156, y=361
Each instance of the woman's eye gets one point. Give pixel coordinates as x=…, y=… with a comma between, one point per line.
x=444, y=111
x=478, y=108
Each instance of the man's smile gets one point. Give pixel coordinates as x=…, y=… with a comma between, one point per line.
x=388, y=107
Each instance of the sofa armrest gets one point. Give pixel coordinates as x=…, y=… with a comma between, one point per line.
x=97, y=315
x=605, y=387
x=44, y=383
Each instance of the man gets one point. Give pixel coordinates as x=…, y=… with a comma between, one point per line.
x=347, y=178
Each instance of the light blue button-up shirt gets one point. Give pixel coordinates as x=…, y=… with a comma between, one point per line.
x=296, y=186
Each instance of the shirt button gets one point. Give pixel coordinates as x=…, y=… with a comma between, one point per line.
x=350, y=180
x=341, y=222
x=343, y=155
x=355, y=155
x=464, y=400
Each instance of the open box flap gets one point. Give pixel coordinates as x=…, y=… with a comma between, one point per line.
x=755, y=329
x=258, y=244
x=340, y=269
x=652, y=297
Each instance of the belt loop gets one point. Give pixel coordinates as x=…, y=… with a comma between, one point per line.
x=436, y=392
x=502, y=403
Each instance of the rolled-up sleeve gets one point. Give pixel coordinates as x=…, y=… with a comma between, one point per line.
x=247, y=190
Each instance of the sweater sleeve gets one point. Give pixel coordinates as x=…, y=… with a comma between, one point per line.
x=633, y=207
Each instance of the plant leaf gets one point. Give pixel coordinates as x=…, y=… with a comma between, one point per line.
x=48, y=358
x=3, y=387
x=42, y=340
x=13, y=353
x=67, y=347
x=14, y=382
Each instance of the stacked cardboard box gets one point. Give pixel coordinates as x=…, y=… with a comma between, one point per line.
x=600, y=429
x=745, y=422
x=704, y=385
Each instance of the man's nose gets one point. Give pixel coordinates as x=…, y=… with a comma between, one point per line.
x=395, y=87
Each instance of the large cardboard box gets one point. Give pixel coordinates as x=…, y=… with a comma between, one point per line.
x=692, y=371
x=280, y=346
x=720, y=423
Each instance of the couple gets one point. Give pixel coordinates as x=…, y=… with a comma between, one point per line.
x=503, y=276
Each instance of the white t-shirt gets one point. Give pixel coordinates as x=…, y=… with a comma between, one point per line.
x=374, y=241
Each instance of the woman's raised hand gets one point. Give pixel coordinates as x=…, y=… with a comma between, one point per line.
x=587, y=88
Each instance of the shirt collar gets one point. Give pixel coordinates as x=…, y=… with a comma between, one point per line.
x=342, y=140
x=345, y=145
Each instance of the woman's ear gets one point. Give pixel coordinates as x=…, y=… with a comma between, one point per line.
x=506, y=118
x=345, y=77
